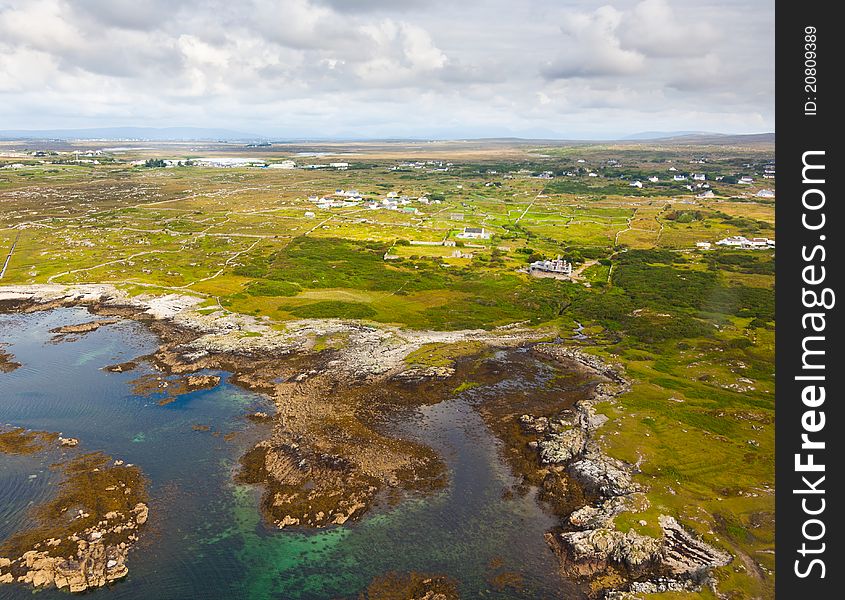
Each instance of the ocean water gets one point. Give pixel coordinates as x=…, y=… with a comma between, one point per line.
x=205, y=537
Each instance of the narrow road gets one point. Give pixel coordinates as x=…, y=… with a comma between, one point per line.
x=519, y=218
x=107, y=263
x=225, y=264
x=9, y=256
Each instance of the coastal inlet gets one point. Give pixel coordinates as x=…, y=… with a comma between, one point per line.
x=474, y=530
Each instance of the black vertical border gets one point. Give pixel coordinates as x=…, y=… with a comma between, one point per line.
x=797, y=133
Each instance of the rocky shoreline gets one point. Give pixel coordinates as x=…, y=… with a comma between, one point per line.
x=589, y=547
x=327, y=461
x=82, y=536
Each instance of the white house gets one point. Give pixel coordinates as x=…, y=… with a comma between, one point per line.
x=703, y=245
x=738, y=241
x=474, y=233
x=309, y=214
x=679, y=178
x=653, y=179
x=636, y=184
x=699, y=176
x=735, y=241
x=766, y=194
x=746, y=180
x=547, y=268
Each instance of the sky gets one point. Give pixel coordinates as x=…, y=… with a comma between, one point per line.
x=363, y=69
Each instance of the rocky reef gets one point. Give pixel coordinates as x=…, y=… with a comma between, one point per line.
x=20, y=441
x=66, y=331
x=7, y=362
x=82, y=536
x=411, y=586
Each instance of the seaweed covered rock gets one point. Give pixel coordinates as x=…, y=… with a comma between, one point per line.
x=82, y=536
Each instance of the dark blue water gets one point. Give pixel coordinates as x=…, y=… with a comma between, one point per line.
x=205, y=537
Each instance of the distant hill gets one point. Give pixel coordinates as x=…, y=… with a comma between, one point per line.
x=662, y=135
x=131, y=133
x=702, y=137
x=174, y=134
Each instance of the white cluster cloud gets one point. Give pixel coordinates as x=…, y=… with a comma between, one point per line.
x=371, y=68
x=594, y=48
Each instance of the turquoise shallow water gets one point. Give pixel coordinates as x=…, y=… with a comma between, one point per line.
x=205, y=537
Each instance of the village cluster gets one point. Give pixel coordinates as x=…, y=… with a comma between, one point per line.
x=347, y=198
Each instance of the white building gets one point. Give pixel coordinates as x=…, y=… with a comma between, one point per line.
x=285, y=164
x=554, y=267
x=653, y=179
x=227, y=162
x=703, y=245
x=699, y=176
x=679, y=178
x=474, y=233
x=738, y=241
x=746, y=180
x=766, y=194
x=309, y=214
x=636, y=184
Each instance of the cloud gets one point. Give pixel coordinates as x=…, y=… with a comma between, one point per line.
x=593, y=47
x=363, y=6
x=128, y=14
x=312, y=68
x=654, y=29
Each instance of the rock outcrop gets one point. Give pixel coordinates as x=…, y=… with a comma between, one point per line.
x=81, y=537
x=7, y=362
x=590, y=547
x=99, y=558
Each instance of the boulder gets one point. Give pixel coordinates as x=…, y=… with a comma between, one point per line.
x=562, y=447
